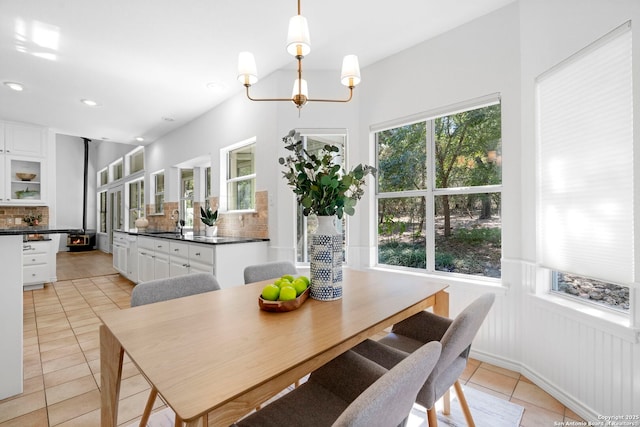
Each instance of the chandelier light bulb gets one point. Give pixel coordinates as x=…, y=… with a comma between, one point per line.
x=247, y=70
x=350, y=75
x=298, y=38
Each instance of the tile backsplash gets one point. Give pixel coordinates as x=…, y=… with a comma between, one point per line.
x=253, y=224
x=13, y=216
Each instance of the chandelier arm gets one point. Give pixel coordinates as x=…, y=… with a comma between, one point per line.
x=266, y=99
x=334, y=100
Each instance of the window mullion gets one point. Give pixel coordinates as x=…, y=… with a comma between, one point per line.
x=430, y=240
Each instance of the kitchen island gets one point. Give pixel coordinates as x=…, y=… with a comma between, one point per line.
x=11, y=289
x=155, y=254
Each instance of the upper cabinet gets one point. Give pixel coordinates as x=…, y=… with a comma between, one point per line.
x=22, y=164
x=22, y=139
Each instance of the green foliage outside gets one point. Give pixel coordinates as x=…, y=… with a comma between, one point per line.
x=467, y=223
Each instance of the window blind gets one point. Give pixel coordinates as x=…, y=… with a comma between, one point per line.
x=585, y=161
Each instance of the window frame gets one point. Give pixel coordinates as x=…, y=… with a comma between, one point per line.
x=138, y=211
x=158, y=207
x=225, y=180
x=430, y=192
x=130, y=160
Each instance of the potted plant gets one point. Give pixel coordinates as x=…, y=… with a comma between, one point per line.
x=322, y=187
x=209, y=218
x=32, y=219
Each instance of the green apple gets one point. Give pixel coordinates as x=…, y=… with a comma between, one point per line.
x=299, y=285
x=282, y=282
x=271, y=292
x=306, y=280
x=287, y=293
x=288, y=277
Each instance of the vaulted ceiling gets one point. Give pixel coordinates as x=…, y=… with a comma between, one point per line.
x=153, y=65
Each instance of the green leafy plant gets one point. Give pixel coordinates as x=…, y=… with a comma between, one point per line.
x=320, y=185
x=32, y=219
x=208, y=216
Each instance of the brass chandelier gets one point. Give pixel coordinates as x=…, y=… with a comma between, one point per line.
x=298, y=45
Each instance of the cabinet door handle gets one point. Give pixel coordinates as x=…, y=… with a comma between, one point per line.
x=33, y=259
x=197, y=253
x=33, y=274
x=176, y=250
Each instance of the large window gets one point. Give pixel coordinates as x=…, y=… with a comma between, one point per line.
x=306, y=225
x=186, y=197
x=136, y=201
x=158, y=192
x=585, y=176
x=241, y=178
x=135, y=161
x=115, y=168
x=102, y=211
x=439, y=192
x=207, y=187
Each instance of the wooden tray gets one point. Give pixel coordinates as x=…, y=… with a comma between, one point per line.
x=280, y=306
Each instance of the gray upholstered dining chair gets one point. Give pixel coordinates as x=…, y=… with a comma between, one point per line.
x=167, y=289
x=455, y=335
x=351, y=391
x=268, y=270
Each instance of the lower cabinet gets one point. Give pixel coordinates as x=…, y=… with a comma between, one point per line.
x=153, y=259
x=162, y=258
x=37, y=264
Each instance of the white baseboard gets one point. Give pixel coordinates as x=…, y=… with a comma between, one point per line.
x=567, y=400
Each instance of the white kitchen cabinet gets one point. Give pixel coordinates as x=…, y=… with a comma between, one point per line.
x=179, y=259
x=21, y=180
x=120, y=259
x=153, y=259
x=37, y=264
x=23, y=139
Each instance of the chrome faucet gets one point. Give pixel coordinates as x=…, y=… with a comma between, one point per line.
x=175, y=215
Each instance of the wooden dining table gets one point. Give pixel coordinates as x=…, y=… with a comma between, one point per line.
x=219, y=354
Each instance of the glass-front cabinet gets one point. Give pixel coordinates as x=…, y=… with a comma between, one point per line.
x=21, y=180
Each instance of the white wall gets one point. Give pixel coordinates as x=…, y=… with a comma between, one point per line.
x=591, y=364
x=69, y=185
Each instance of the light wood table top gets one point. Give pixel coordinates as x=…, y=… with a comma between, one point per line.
x=218, y=353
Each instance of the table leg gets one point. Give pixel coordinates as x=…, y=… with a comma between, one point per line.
x=441, y=307
x=111, y=355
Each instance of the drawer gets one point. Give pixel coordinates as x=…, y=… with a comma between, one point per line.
x=33, y=248
x=146, y=243
x=179, y=249
x=34, y=259
x=201, y=253
x=161, y=245
x=35, y=274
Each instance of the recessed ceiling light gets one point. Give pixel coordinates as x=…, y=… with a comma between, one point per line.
x=139, y=138
x=89, y=102
x=14, y=86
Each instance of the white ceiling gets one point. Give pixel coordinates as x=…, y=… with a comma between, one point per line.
x=145, y=60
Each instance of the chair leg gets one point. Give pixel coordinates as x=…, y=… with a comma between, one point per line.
x=446, y=402
x=148, y=407
x=178, y=422
x=463, y=404
x=432, y=417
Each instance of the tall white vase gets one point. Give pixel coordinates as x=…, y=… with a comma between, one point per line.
x=326, y=261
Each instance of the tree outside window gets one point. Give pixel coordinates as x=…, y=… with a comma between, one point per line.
x=439, y=193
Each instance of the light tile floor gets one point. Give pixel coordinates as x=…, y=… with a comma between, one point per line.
x=62, y=351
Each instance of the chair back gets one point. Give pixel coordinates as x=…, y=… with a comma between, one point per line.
x=388, y=401
x=173, y=287
x=268, y=270
x=459, y=335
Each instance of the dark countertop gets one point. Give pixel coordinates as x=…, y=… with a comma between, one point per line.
x=193, y=237
x=38, y=229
